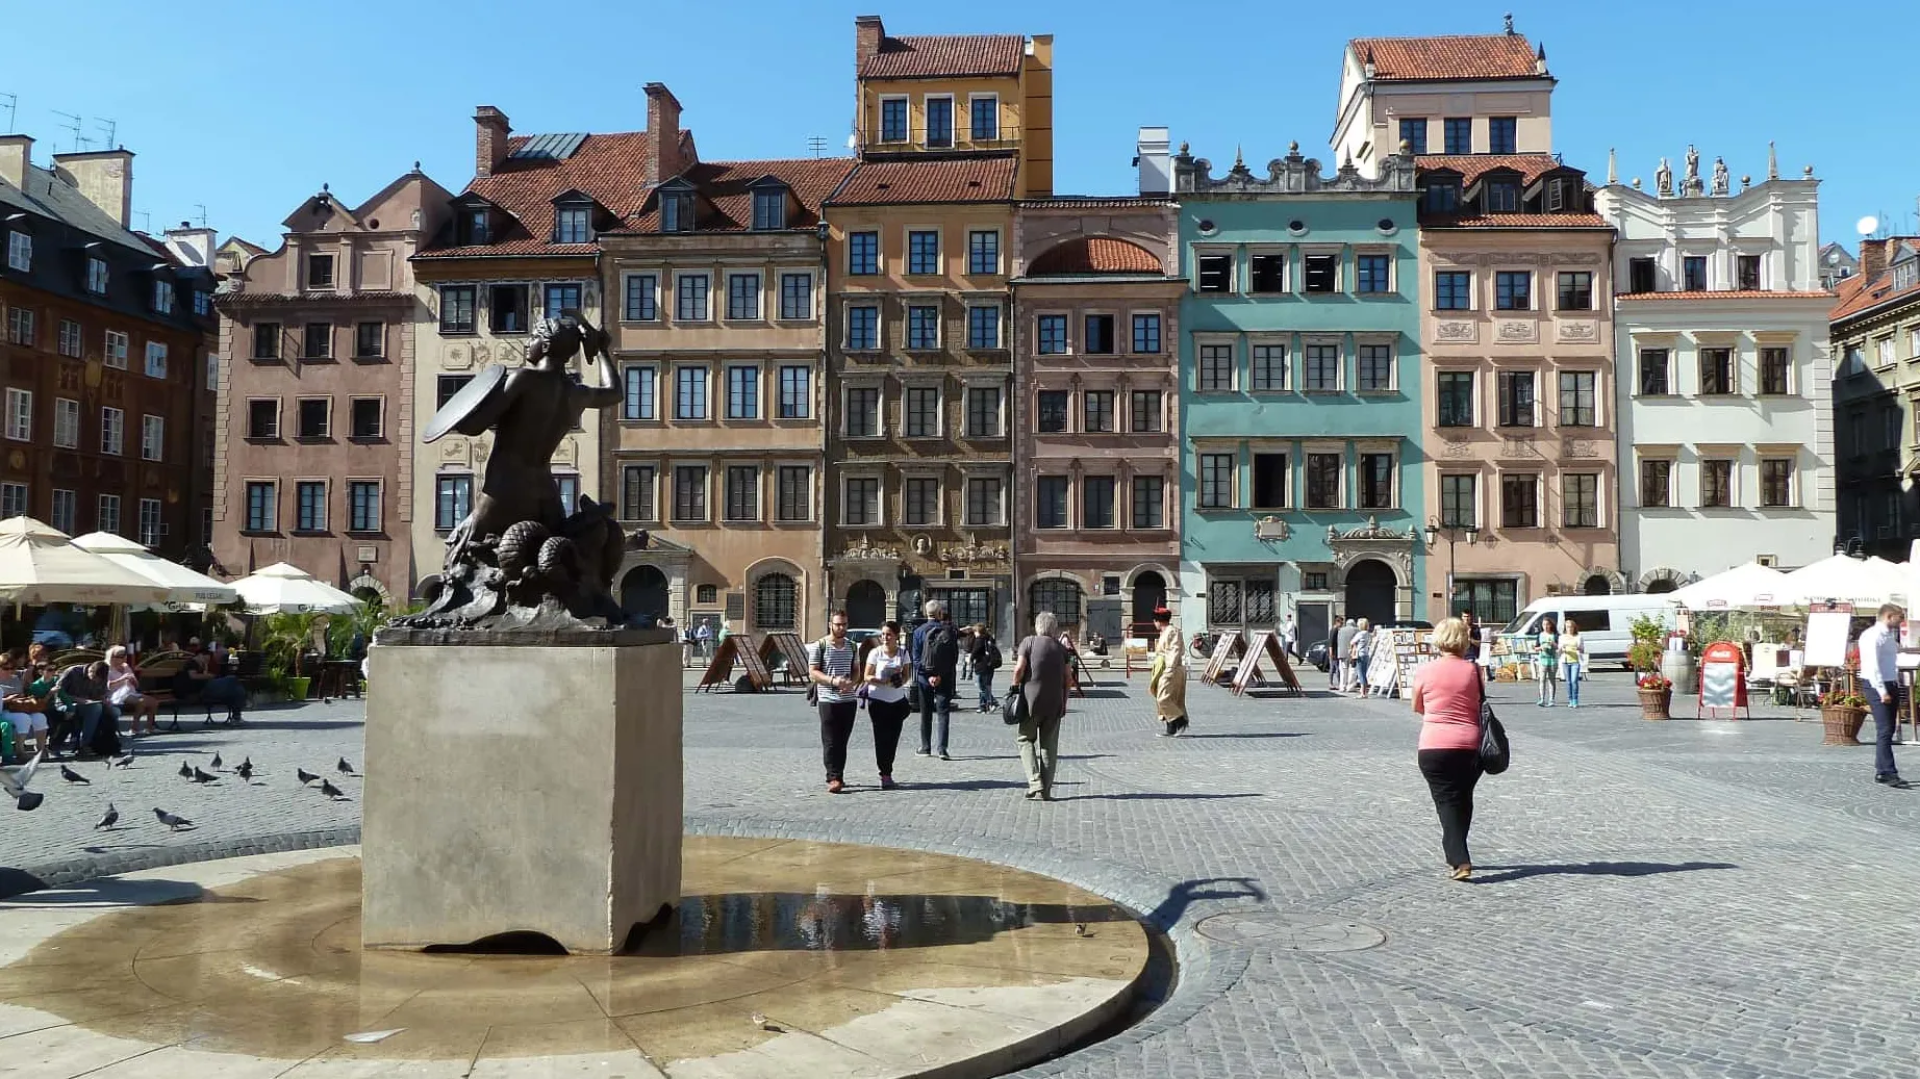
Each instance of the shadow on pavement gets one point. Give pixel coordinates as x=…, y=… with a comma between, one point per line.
x=1187, y=892
x=1500, y=874
x=1153, y=796
x=1251, y=734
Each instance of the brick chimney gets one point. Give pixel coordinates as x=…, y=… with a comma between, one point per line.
x=1873, y=258
x=16, y=153
x=105, y=177
x=663, y=131
x=491, y=129
x=867, y=34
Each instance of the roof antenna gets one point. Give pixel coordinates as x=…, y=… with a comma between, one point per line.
x=202, y=207
x=1509, y=24
x=13, y=107
x=73, y=127
x=111, y=127
x=817, y=143
x=146, y=221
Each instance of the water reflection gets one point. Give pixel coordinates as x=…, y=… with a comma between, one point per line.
x=825, y=921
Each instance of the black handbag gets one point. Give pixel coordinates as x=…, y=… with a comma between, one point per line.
x=1013, y=706
x=1495, y=752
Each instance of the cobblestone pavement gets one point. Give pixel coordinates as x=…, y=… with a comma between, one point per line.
x=1682, y=899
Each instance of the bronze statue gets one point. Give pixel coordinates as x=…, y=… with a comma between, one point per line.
x=520, y=558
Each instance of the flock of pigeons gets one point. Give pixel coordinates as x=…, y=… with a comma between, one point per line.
x=17, y=784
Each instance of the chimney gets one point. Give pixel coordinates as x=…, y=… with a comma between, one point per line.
x=663, y=130
x=193, y=246
x=1155, y=158
x=1873, y=257
x=105, y=177
x=16, y=153
x=491, y=129
x=868, y=32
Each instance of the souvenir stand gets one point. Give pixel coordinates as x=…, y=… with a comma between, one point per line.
x=1823, y=659
x=1397, y=654
x=1513, y=655
x=1723, y=681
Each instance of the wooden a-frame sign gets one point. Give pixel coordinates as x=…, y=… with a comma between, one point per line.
x=741, y=647
x=1266, y=644
x=789, y=646
x=1230, y=647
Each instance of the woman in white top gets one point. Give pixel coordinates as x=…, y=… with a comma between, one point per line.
x=1363, y=654
x=888, y=671
x=123, y=692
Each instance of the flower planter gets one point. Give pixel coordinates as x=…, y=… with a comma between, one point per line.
x=1655, y=703
x=297, y=688
x=1842, y=725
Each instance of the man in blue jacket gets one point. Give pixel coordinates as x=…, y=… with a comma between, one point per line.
x=936, y=666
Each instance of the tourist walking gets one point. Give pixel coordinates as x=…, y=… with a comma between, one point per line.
x=1333, y=654
x=1546, y=662
x=1290, y=638
x=936, y=663
x=1447, y=695
x=1040, y=673
x=831, y=669
x=887, y=671
x=703, y=640
x=1879, y=678
x=984, y=654
x=1168, y=682
x=1363, y=655
x=1573, y=661
x=1345, y=654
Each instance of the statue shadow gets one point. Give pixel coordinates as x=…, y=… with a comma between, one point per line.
x=1188, y=892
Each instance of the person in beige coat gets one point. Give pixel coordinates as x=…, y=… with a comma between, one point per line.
x=1168, y=683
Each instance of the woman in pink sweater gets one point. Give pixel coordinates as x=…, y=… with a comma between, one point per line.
x=1447, y=696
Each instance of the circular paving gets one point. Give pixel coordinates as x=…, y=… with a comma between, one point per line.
x=1290, y=932
x=785, y=958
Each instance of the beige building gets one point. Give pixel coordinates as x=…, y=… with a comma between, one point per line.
x=1448, y=94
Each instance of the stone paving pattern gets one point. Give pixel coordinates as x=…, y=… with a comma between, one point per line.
x=1682, y=899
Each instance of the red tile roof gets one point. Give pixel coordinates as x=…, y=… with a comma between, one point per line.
x=1726, y=294
x=881, y=183
x=726, y=196
x=1461, y=56
x=1859, y=293
x=945, y=56
x=1095, y=202
x=1473, y=166
x=1094, y=254
x=1518, y=221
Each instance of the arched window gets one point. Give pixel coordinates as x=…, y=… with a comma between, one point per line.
x=1059, y=595
x=776, y=602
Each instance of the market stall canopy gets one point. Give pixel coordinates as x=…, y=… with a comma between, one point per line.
x=287, y=589
x=39, y=564
x=1751, y=585
x=1848, y=580
x=183, y=585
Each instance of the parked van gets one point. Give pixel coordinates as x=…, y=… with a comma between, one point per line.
x=1606, y=622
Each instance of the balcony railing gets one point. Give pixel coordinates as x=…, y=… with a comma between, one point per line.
x=1004, y=137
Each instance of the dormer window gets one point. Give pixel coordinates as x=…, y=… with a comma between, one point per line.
x=572, y=224
x=676, y=212
x=96, y=275
x=1442, y=196
x=19, y=251
x=770, y=208
x=1905, y=274
x=1556, y=196
x=163, y=297
x=1502, y=197
x=476, y=227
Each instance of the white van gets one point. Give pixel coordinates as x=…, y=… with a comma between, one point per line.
x=1606, y=622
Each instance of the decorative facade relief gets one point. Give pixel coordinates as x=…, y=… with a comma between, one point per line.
x=1271, y=528
x=1514, y=331
x=1579, y=331
x=1456, y=332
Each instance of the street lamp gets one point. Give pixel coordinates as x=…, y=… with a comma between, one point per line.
x=1452, y=532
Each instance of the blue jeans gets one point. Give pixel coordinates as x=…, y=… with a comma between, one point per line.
x=985, y=678
x=89, y=717
x=1884, y=724
x=935, y=702
x=1570, y=674
x=1360, y=669
x=225, y=690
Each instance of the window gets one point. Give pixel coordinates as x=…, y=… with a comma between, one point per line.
x=1716, y=483
x=1503, y=134
x=1269, y=273
x=985, y=118
x=156, y=359
x=1520, y=501
x=1096, y=502
x=567, y=486
x=261, y=515
x=1747, y=272
x=690, y=297
x=923, y=252
x=983, y=500
x=795, y=495
x=206, y=521
x=1323, y=481
x=637, y=493
x=796, y=392
x=1580, y=498
x=66, y=423
x=863, y=328
x=456, y=315
x=1457, y=509
x=312, y=419
x=1716, y=371
x=1441, y=196
x=923, y=412
x=1456, y=398
x=1776, y=481
x=19, y=414
x=69, y=339
x=743, y=492
x=1097, y=411
x=983, y=327
x=153, y=438
x=983, y=412
x=1323, y=368
x=317, y=341
x=1656, y=483
x=776, y=603
x=1149, y=501
x=1050, y=502
x=116, y=347
x=1375, y=364
x=862, y=505
x=213, y=371
x=1640, y=275
x=743, y=393
x=1559, y=193
x=1513, y=290
x=1374, y=274
x=363, y=506
x=66, y=512
x=572, y=225
x=1516, y=398
x=1146, y=333
x=163, y=297
x=863, y=412
x=1458, y=131
x=370, y=340
x=1414, y=134
x=983, y=252
x=642, y=303
x=1216, y=368
x=863, y=253
x=1323, y=273
x=1216, y=273
x=770, y=209
x=1453, y=290
x=1576, y=290
x=796, y=295
x=19, y=325
x=1578, y=400
x=310, y=506
x=1693, y=273
x=1052, y=335
x=690, y=393
x=923, y=327
x=266, y=341
x=107, y=510
x=1051, y=414
x=474, y=226
x=1653, y=373
x=1883, y=351
x=112, y=427
x=448, y=385
x=1376, y=481
x=1216, y=481
x=1269, y=374
x=1501, y=197
x=743, y=295
x=690, y=493
x=452, y=500
x=320, y=272
x=1495, y=602
x=1148, y=416
x=1269, y=480
x=559, y=299
x=939, y=121
x=1098, y=340
x=150, y=527
x=893, y=119
x=364, y=418
x=1774, y=365
x=19, y=251
x=263, y=418
x=921, y=499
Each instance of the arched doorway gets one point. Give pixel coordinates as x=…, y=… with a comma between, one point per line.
x=776, y=604
x=1059, y=595
x=1598, y=585
x=1149, y=591
x=866, y=605
x=1662, y=586
x=1370, y=589
x=644, y=592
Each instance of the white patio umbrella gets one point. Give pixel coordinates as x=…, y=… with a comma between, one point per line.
x=183, y=585
x=1751, y=585
x=287, y=589
x=39, y=564
x=1847, y=580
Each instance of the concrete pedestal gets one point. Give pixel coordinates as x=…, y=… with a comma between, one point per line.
x=520, y=782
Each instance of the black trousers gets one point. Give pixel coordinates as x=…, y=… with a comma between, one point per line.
x=1451, y=774
x=888, y=719
x=836, y=727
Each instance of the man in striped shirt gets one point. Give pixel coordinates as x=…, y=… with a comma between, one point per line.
x=833, y=676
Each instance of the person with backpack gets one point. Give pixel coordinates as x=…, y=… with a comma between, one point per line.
x=936, y=665
x=985, y=654
x=836, y=691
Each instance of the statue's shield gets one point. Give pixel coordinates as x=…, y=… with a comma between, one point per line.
x=462, y=410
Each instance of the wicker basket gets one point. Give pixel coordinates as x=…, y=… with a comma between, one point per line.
x=1655, y=703
x=1842, y=724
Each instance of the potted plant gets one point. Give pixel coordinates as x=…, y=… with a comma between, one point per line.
x=285, y=641
x=1656, y=695
x=1842, y=713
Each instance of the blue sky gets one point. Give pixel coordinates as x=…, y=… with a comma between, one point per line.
x=247, y=106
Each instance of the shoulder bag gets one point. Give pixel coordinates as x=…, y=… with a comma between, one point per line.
x=1495, y=753
x=1013, y=706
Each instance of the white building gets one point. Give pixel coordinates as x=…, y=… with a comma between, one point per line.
x=1720, y=333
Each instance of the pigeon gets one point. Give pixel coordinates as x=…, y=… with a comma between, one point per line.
x=202, y=777
x=172, y=822
x=216, y=762
x=108, y=821
x=1079, y=929
x=245, y=771
x=305, y=777
x=186, y=770
x=15, y=785
x=122, y=762
x=247, y=764
x=344, y=768
x=329, y=789
x=72, y=776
